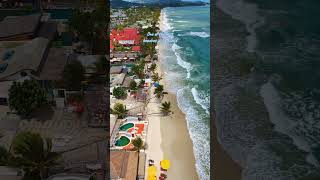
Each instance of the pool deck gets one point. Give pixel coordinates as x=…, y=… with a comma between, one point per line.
x=139, y=130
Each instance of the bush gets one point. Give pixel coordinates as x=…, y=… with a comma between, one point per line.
x=133, y=85
x=119, y=92
x=27, y=96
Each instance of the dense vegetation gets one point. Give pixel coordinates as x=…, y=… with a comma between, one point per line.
x=26, y=96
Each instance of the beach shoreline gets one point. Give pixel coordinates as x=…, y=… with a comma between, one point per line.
x=177, y=145
x=168, y=136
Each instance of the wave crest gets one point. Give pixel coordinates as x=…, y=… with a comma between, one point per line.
x=199, y=34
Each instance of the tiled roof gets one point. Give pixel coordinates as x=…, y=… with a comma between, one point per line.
x=126, y=35
x=123, y=164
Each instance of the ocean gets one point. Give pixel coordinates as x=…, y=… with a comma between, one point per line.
x=185, y=59
x=282, y=141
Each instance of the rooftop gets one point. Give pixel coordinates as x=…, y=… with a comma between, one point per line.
x=127, y=36
x=123, y=164
x=25, y=57
x=17, y=25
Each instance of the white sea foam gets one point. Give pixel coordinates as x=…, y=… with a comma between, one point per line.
x=246, y=13
x=199, y=34
x=181, y=62
x=198, y=129
x=201, y=99
x=282, y=122
x=199, y=133
x=165, y=25
x=181, y=21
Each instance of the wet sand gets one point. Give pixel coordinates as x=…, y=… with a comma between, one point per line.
x=177, y=145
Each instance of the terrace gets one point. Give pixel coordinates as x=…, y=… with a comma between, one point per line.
x=127, y=130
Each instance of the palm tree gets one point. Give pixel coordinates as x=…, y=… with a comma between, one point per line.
x=34, y=155
x=153, y=67
x=165, y=108
x=159, y=91
x=138, y=144
x=137, y=69
x=155, y=77
x=120, y=110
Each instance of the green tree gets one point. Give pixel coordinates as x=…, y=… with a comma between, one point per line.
x=138, y=144
x=5, y=156
x=153, y=67
x=120, y=110
x=133, y=85
x=159, y=91
x=27, y=96
x=141, y=83
x=137, y=69
x=119, y=92
x=155, y=77
x=73, y=75
x=81, y=23
x=165, y=108
x=34, y=155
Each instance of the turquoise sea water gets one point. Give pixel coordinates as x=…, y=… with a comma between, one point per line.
x=185, y=57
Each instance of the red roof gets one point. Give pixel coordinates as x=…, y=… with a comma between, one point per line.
x=135, y=48
x=125, y=36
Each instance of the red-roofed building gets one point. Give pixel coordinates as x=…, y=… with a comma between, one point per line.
x=126, y=37
x=136, y=48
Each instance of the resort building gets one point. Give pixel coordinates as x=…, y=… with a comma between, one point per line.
x=128, y=37
x=19, y=28
x=24, y=60
x=123, y=165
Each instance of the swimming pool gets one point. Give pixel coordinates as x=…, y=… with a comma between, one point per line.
x=122, y=141
x=60, y=13
x=132, y=118
x=126, y=126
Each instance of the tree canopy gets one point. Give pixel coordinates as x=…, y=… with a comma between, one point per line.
x=119, y=92
x=31, y=153
x=120, y=110
x=73, y=75
x=26, y=96
x=138, y=144
x=165, y=108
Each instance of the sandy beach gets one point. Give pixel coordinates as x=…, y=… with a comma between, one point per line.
x=177, y=145
x=224, y=168
x=168, y=138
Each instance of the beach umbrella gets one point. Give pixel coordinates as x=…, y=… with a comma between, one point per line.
x=152, y=171
x=152, y=178
x=165, y=164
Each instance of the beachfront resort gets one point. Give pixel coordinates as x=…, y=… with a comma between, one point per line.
x=134, y=84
